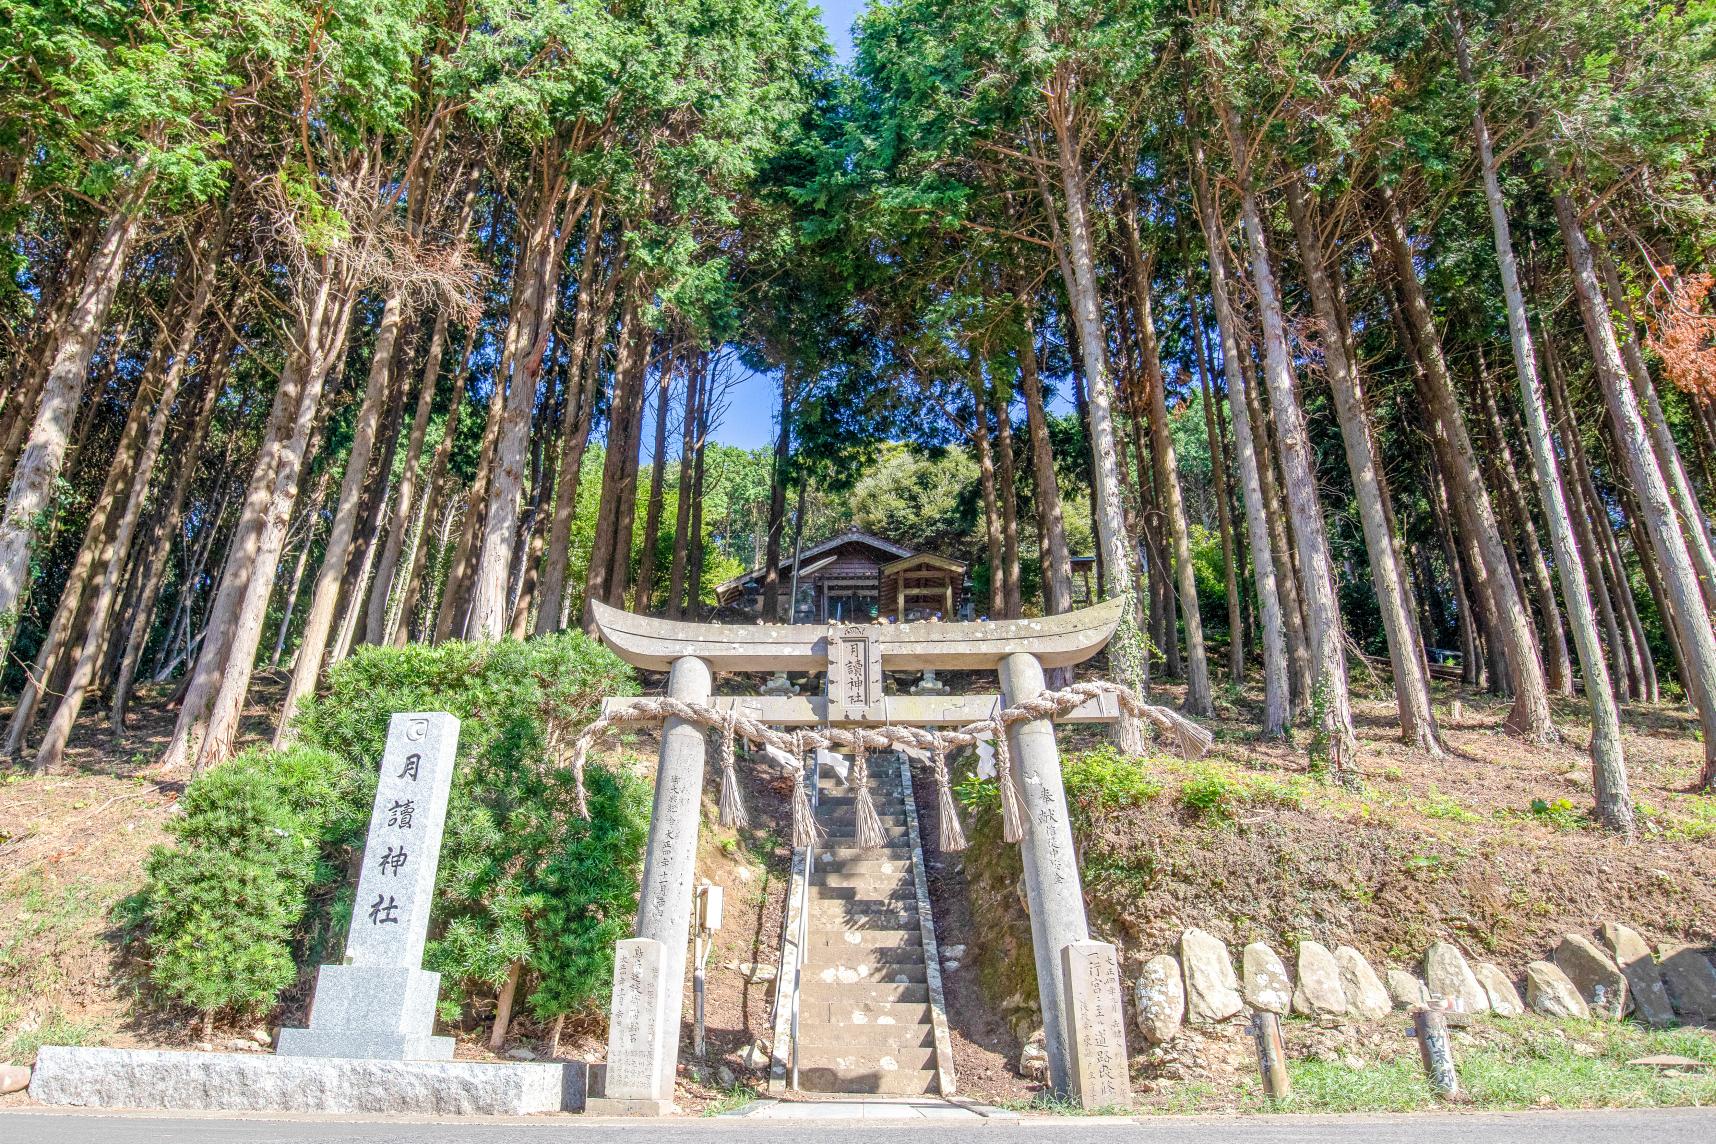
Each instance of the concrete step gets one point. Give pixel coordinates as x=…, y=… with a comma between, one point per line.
x=865, y=866
x=847, y=954
x=901, y=939
x=882, y=883
x=826, y=918
x=854, y=971
x=890, y=804
x=861, y=1013
x=818, y=991
x=839, y=1040
x=847, y=853
x=886, y=1073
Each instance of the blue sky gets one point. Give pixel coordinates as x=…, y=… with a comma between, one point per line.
x=749, y=423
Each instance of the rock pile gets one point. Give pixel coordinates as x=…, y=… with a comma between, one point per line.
x=1610, y=978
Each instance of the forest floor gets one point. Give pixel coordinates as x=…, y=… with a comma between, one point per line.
x=1489, y=847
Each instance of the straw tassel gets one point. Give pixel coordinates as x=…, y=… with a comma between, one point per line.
x=869, y=826
x=950, y=835
x=805, y=831
x=732, y=805
x=1012, y=813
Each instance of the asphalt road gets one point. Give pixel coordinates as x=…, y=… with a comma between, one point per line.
x=1655, y=1126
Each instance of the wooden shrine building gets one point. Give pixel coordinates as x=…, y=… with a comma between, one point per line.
x=853, y=578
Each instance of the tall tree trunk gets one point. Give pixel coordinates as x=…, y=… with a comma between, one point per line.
x=611, y=547
x=1530, y=715
x=1608, y=765
x=1275, y=668
x=535, y=325
x=1411, y=685
x=1280, y=545
x=1527, y=550
x=1199, y=700
x=1329, y=704
x=1051, y=528
x=696, y=369
x=588, y=330
x=986, y=489
x=28, y=499
x=215, y=689
x=777, y=502
x=1656, y=507
x=1127, y=651
x=108, y=582
x=1007, y=493
x=318, y=621
x=1219, y=489
x=657, y=475
x=1695, y=525
x=405, y=500
x=160, y=552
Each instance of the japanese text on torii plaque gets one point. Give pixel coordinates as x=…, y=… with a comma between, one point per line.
x=854, y=673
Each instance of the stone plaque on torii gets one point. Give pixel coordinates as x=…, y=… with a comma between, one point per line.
x=645, y=1019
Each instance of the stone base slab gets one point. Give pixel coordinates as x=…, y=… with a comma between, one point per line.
x=152, y=1078
x=628, y=1106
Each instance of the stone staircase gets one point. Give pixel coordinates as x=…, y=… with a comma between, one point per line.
x=870, y=1013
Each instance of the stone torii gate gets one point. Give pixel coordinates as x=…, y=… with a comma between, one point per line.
x=649, y=971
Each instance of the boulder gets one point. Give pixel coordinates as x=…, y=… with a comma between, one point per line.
x=1318, y=992
x=1446, y=974
x=1504, y=998
x=1212, y=992
x=1265, y=980
x=1405, y=990
x=1548, y=991
x=1034, y=1057
x=1690, y=981
x=14, y=1078
x=1161, y=995
x=1596, y=976
x=1367, y=997
x=1644, y=979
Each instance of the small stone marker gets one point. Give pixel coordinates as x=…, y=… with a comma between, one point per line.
x=1212, y=991
x=1599, y=980
x=1548, y=991
x=639, y=1032
x=1096, y=1025
x=1319, y=992
x=1504, y=998
x=1367, y=997
x=1446, y=974
x=380, y=1003
x=1265, y=980
x=1644, y=980
x=1690, y=980
x=1404, y=989
x=1161, y=994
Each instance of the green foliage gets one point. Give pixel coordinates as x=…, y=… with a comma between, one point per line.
x=1211, y=794
x=1104, y=779
x=249, y=895
x=1560, y=813
x=222, y=906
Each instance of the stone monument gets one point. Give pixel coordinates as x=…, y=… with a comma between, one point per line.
x=380, y=1002
x=1096, y=1025
x=369, y=1047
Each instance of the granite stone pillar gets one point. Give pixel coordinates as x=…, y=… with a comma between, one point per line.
x=642, y=1082
x=1052, y=890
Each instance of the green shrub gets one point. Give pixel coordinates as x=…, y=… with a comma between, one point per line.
x=254, y=891
x=1560, y=813
x=222, y=907
x=1211, y=794
x=1104, y=779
